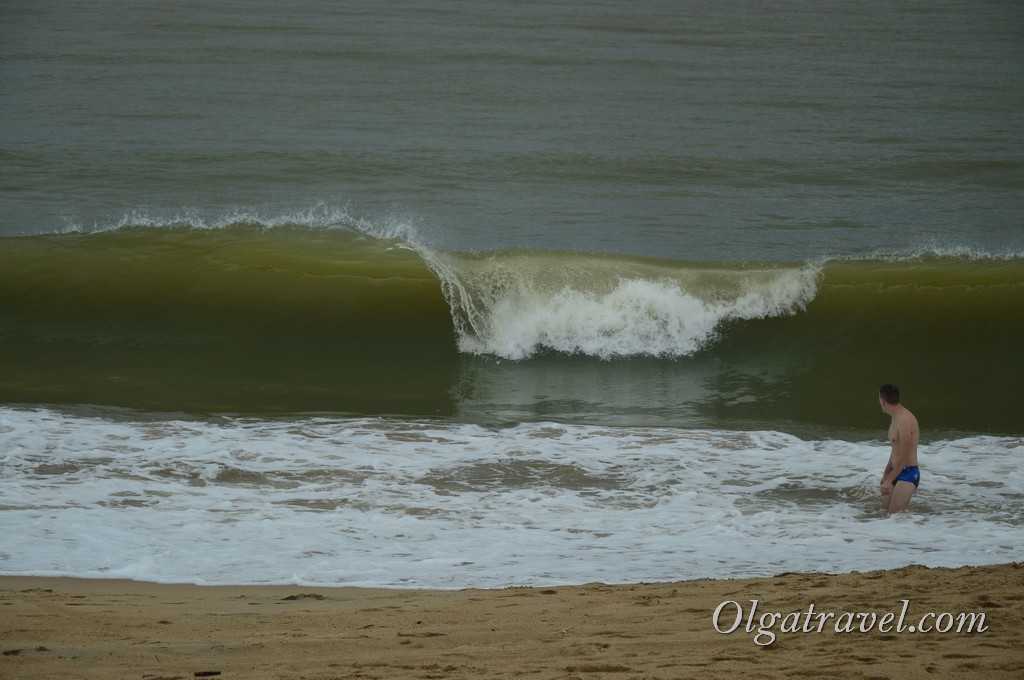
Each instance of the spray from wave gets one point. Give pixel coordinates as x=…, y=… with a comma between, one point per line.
x=516, y=304
x=318, y=216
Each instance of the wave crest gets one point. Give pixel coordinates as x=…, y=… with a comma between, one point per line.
x=516, y=305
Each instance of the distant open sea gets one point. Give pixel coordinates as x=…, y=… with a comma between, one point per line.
x=446, y=294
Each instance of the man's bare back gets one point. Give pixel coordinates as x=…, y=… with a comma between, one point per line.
x=901, y=475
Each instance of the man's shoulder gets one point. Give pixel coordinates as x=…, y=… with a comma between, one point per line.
x=908, y=419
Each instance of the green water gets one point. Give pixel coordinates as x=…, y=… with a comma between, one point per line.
x=293, y=319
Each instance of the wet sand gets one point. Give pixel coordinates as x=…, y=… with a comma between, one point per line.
x=77, y=628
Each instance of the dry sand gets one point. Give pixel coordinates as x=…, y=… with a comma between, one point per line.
x=72, y=628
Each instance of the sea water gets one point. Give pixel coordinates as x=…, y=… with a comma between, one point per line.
x=446, y=294
x=374, y=502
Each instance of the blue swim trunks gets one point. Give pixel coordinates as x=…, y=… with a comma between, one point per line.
x=911, y=473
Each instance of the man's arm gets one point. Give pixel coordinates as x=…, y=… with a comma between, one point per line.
x=886, y=484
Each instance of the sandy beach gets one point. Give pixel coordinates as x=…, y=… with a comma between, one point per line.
x=75, y=628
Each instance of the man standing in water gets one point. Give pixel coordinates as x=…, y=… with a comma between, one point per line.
x=901, y=476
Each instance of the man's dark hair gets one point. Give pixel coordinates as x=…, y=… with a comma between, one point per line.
x=890, y=393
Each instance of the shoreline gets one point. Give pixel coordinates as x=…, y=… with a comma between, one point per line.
x=55, y=627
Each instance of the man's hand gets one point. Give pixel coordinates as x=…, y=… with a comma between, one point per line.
x=886, y=487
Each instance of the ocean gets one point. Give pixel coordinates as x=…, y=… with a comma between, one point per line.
x=447, y=294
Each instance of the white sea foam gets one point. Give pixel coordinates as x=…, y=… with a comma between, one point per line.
x=934, y=249
x=376, y=502
x=315, y=216
x=514, y=305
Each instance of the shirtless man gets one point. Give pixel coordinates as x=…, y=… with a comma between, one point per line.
x=901, y=476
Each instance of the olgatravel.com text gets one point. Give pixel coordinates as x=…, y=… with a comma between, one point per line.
x=730, y=616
